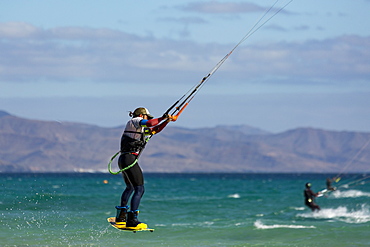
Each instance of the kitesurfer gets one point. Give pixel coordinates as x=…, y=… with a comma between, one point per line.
x=309, y=196
x=138, y=128
x=328, y=184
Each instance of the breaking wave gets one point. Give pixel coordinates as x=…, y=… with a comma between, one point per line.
x=349, y=194
x=259, y=225
x=234, y=196
x=361, y=215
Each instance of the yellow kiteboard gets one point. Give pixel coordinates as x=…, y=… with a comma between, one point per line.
x=122, y=226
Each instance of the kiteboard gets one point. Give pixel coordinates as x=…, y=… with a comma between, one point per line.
x=324, y=192
x=142, y=227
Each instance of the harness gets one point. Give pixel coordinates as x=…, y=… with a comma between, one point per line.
x=135, y=142
x=131, y=145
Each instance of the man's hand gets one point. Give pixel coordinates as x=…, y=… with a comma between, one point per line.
x=171, y=118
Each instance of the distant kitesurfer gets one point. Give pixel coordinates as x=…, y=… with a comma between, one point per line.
x=328, y=184
x=309, y=196
x=138, y=128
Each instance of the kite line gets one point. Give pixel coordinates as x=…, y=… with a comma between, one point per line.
x=179, y=106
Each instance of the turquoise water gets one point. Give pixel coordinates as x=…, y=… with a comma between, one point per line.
x=184, y=209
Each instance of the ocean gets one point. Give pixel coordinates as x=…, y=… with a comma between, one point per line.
x=184, y=210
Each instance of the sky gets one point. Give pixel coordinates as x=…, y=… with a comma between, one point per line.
x=306, y=65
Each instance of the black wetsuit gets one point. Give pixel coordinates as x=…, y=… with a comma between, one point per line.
x=132, y=142
x=134, y=180
x=133, y=175
x=309, y=196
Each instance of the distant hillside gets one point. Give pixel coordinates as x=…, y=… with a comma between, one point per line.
x=41, y=146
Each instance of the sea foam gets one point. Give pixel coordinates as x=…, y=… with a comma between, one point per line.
x=349, y=194
x=258, y=224
x=343, y=214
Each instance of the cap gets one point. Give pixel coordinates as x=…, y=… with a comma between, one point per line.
x=308, y=185
x=142, y=110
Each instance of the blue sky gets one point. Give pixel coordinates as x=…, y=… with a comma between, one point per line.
x=93, y=61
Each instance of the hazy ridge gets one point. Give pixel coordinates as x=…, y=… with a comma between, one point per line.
x=41, y=146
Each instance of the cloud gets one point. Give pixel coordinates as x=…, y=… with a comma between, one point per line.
x=17, y=30
x=184, y=20
x=276, y=28
x=216, y=7
x=337, y=60
x=283, y=29
x=30, y=53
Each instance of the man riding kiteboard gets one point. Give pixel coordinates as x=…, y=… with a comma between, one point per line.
x=138, y=129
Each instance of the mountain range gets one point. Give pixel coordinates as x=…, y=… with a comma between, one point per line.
x=49, y=146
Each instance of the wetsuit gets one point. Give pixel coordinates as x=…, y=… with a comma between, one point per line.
x=132, y=141
x=309, y=196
